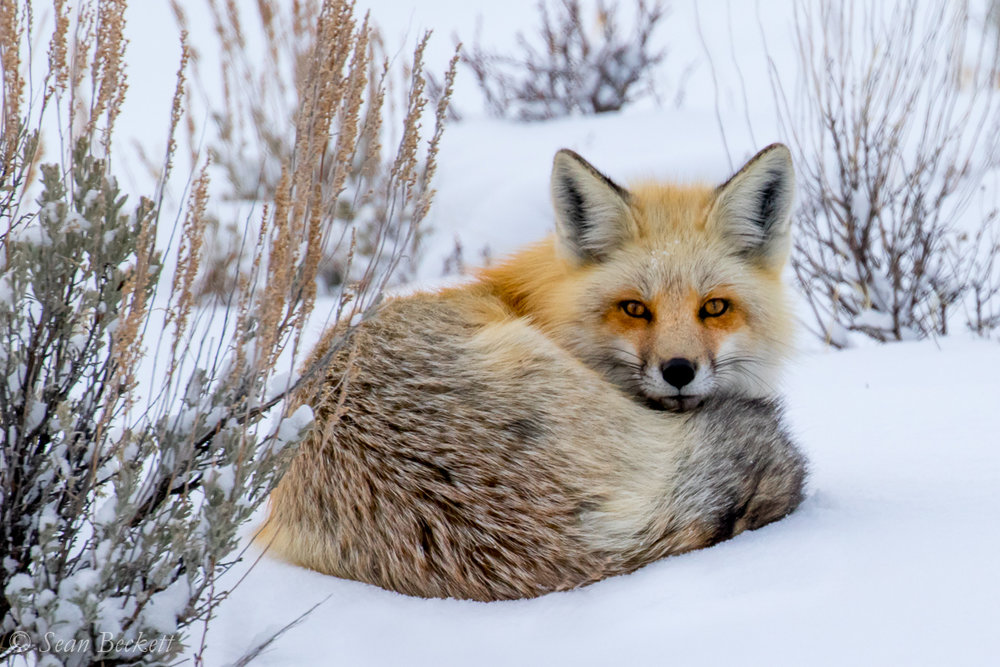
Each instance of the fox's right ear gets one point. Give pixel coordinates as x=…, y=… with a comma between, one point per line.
x=592, y=211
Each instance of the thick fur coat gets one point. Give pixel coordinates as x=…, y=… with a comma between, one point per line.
x=482, y=447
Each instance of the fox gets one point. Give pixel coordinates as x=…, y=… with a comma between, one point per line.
x=600, y=400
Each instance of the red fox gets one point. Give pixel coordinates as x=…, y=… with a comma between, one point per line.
x=598, y=401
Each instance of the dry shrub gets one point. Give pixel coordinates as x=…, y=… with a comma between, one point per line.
x=993, y=23
x=120, y=501
x=224, y=263
x=455, y=263
x=893, y=126
x=980, y=257
x=574, y=66
x=376, y=203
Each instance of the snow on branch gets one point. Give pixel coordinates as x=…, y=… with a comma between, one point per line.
x=138, y=432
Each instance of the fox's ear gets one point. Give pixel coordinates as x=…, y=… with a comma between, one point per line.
x=753, y=208
x=592, y=212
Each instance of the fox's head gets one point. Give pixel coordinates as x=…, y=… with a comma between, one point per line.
x=674, y=293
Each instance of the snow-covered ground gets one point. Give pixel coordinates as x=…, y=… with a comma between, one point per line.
x=891, y=559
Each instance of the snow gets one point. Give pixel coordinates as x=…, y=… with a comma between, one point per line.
x=6, y=291
x=48, y=518
x=74, y=591
x=891, y=559
x=106, y=513
x=163, y=608
x=294, y=424
x=874, y=320
x=76, y=222
x=113, y=612
x=19, y=584
x=35, y=414
x=33, y=234
x=222, y=478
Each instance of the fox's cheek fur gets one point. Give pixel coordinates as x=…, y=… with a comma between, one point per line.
x=744, y=369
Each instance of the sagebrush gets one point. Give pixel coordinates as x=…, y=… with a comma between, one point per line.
x=580, y=62
x=263, y=93
x=894, y=123
x=140, y=431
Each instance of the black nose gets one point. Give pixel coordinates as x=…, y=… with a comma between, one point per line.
x=678, y=372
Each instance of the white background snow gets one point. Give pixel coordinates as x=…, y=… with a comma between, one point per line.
x=891, y=559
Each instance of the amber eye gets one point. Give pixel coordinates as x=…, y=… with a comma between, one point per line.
x=636, y=309
x=714, y=308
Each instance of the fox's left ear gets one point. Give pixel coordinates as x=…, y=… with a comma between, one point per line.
x=753, y=208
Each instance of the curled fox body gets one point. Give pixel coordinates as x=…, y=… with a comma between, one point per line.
x=599, y=401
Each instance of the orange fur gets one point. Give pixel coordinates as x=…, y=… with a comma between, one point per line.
x=669, y=221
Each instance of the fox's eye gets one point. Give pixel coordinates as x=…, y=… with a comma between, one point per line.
x=714, y=308
x=636, y=309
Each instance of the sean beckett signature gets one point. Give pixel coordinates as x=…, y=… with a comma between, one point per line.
x=105, y=643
